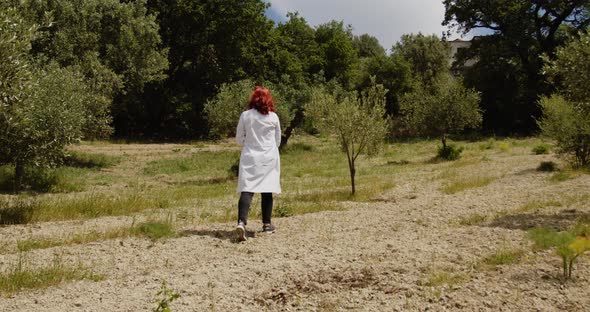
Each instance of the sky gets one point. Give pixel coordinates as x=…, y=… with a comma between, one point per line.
x=386, y=20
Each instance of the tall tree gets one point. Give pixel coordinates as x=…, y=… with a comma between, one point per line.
x=428, y=56
x=339, y=57
x=522, y=32
x=211, y=42
x=368, y=46
x=115, y=44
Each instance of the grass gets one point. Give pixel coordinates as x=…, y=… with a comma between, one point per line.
x=154, y=230
x=538, y=204
x=29, y=210
x=20, y=277
x=503, y=257
x=445, y=278
x=473, y=219
x=460, y=184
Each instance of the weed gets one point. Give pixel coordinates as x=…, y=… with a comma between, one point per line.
x=444, y=278
x=155, y=230
x=451, y=152
x=21, y=277
x=567, y=245
x=460, y=184
x=503, y=146
x=473, y=219
x=283, y=211
x=541, y=149
x=503, y=257
x=536, y=205
x=561, y=176
x=165, y=297
x=489, y=144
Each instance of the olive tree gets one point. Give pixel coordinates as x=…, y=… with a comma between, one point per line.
x=359, y=123
x=224, y=109
x=566, y=115
x=42, y=110
x=448, y=107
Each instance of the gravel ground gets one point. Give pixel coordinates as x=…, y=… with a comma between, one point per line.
x=384, y=255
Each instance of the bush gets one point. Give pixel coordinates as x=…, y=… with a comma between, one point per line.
x=569, y=124
x=541, y=149
x=451, y=152
x=567, y=245
x=547, y=166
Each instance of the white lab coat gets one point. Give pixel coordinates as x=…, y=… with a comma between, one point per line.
x=260, y=164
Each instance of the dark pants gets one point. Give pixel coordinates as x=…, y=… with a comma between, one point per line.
x=244, y=207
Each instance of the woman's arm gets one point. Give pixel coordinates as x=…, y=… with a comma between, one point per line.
x=241, y=131
x=278, y=131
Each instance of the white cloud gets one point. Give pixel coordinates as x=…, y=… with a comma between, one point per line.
x=385, y=19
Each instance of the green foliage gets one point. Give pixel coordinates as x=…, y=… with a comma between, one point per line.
x=567, y=245
x=116, y=45
x=282, y=211
x=503, y=257
x=569, y=124
x=508, y=63
x=359, y=124
x=37, y=130
x=428, y=56
x=15, y=42
x=547, y=166
x=368, y=46
x=223, y=111
x=338, y=54
x=571, y=68
x=541, y=149
x=450, y=152
x=165, y=298
x=156, y=230
x=90, y=160
x=20, y=276
x=446, y=108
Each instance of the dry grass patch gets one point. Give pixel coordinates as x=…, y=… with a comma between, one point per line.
x=20, y=277
x=472, y=219
x=504, y=256
x=460, y=184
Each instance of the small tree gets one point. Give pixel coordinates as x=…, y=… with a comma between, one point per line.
x=569, y=124
x=566, y=116
x=448, y=107
x=359, y=124
x=223, y=111
x=42, y=110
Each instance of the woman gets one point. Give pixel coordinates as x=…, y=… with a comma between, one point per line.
x=259, y=133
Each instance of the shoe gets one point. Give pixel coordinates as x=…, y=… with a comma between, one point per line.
x=241, y=232
x=268, y=228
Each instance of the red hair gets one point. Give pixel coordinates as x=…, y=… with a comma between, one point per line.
x=261, y=100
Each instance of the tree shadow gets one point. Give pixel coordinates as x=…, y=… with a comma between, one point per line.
x=524, y=221
x=228, y=235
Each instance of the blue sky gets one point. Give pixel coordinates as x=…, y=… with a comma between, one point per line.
x=385, y=19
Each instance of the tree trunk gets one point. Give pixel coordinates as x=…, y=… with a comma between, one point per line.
x=19, y=172
x=297, y=120
x=444, y=141
x=352, y=174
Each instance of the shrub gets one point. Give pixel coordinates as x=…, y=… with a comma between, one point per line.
x=547, y=166
x=567, y=245
x=444, y=108
x=541, y=149
x=156, y=230
x=451, y=152
x=569, y=124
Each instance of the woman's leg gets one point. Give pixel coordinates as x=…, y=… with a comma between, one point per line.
x=266, y=207
x=244, y=206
